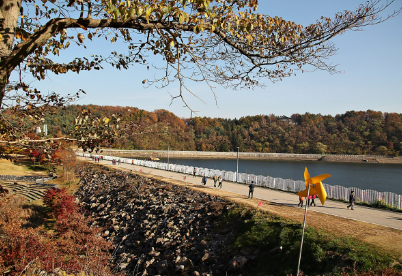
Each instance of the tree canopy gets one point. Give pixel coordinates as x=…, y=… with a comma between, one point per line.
x=354, y=132
x=216, y=41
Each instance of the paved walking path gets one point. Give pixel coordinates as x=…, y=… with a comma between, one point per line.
x=335, y=208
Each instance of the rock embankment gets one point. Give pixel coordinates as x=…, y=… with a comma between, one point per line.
x=157, y=228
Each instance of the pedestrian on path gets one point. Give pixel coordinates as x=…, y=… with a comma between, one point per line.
x=312, y=200
x=251, y=190
x=204, y=180
x=215, y=180
x=220, y=182
x=301, y=199
x=194, y=171
x=352, y=199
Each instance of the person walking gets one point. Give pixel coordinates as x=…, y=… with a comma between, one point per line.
x=301, y=199
x=194, y=171
x=312, y=200
x=215, y=180
x=220, y=182
x=204, y=180
x=352, y=199
x=251, y=190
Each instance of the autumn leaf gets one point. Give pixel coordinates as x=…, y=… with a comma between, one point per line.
x=81, y=37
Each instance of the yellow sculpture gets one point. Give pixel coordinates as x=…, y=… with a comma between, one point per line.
x=315, y=186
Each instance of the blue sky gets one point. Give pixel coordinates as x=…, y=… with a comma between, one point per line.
x=370, y=63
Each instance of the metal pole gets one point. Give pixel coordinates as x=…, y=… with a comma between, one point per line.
x=237, y=167
x=168, y=157
x=304, y=227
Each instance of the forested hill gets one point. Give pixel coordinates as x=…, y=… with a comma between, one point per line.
x=355, y=132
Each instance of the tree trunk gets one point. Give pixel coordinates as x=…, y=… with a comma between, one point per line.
x=3, y=83
x=9, y=11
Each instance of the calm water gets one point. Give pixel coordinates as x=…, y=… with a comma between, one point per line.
x=379, y=177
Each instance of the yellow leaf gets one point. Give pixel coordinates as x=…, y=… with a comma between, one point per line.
x=147, y=14
x=82, y=27
x=172, y=43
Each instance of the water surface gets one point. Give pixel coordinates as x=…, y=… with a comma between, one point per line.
x=379, y=177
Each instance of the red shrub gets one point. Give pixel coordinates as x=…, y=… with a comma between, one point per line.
x=60, y=203
x=74, y=247
x=77, y=239
x=20, y=246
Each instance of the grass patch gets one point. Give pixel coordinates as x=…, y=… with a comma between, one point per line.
x=259, y=235
x=35, y=167
x=20, y=168
x=39, y=216
x=381, y=204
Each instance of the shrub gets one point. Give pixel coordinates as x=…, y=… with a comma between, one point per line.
x=3, y=191
x=74, y=247
x=21, y=246
x=59, y=202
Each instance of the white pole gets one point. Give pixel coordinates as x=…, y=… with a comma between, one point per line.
x=237, y=167
x=168, y=158
x=304, y=227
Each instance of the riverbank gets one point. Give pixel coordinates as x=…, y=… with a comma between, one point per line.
x=380, y=159
x=125, y=210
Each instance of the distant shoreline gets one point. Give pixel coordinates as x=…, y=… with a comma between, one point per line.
x=254, y=156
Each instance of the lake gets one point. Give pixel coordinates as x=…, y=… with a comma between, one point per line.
x=379, y=177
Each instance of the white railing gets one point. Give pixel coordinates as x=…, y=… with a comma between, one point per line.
x=333, y=191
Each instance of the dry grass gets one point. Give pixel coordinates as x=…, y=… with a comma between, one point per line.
x=19, y=169
x=9, y=168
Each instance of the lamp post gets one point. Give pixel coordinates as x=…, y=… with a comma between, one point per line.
x=168, y=157
x=167, y=138
x=237, y=167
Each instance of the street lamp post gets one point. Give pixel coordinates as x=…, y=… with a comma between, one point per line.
x=237, y=167
x=168, y=157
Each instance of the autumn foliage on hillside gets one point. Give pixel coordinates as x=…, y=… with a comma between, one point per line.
x=73, y=247
x=355, y=132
